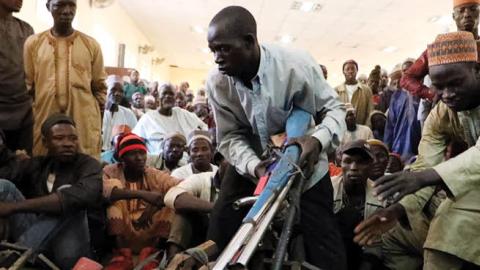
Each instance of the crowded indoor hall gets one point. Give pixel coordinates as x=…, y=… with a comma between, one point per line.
x=240, y=134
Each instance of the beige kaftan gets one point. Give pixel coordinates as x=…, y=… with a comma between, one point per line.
x=66, y=75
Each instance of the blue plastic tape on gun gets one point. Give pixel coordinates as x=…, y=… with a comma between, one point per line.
x=297, y=125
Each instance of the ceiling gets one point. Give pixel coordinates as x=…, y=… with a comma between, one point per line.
x=339, y=30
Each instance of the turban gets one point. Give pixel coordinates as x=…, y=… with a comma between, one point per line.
x=54, y=119
x=457, y=3
x=129, y=142
x=199, y=134
x=455, y=47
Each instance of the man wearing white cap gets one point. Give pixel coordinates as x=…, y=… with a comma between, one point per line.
x=354, y=131
x=115, y=114
x=201, y=152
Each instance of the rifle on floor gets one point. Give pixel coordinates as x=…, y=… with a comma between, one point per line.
x=242, y=246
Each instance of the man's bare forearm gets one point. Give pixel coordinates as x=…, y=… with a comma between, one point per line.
x=151, y=197
x=47, y=204
x=124, y=194
x=186, y=202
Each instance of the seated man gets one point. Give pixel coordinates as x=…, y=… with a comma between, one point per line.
x=380, y=162
x=155, y=125
x=172, y=156
x=115, y=114
x=395, y=163
x=135, y=193
x=377, y=122
x=354, y=131
x=201, y=152
x=108, y=156
x=138, y=104
x=200, y=108
x=151, y=103
x=354, y=202
x=193, y=200
x=54, y=192
x=180, y=100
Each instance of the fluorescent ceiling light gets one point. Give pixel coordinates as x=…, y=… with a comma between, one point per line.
x=198, y=29
x=205, y=50
x=208, y=63
x=307, y=6
x=433, y=19
x=286, y=39
x=390, y=49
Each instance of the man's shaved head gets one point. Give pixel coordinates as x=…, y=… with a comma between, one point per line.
x=235, y=20
x=232, y=37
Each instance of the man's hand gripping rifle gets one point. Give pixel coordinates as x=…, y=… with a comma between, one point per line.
x=281, y=180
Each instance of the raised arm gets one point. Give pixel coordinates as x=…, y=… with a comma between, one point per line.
x=412, y=79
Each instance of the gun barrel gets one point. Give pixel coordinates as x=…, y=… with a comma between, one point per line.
x=262, y=226
x=296, y=126
x=242, y=236
x=233, y=247
x=247, y=201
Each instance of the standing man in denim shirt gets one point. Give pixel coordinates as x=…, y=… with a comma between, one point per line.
x=252, y=93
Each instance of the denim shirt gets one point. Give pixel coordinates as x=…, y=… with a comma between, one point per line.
x=246, y=118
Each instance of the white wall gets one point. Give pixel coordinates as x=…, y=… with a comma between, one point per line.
x=110, y=27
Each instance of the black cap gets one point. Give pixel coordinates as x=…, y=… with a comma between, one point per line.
x=54, y=119
x=359, y=145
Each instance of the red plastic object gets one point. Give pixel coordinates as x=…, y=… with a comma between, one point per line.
x=122, y=260
x=87, y=264
x=144, y=254
x=262, y=182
